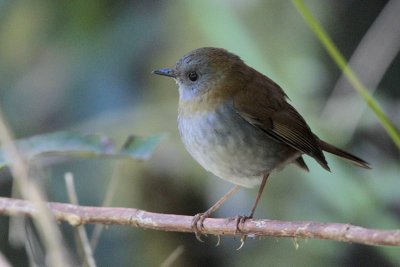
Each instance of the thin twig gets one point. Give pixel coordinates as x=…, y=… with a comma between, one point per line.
x=82, y=236
x=3, y=261
x=111, y=189
x=173, y=257
x=78, y=215
x=109, y=197
x=29, y=190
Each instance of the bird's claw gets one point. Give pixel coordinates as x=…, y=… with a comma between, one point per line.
x=197, y=225
x=219, y=240
x=240, y=220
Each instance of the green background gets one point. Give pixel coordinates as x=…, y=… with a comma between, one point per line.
x=86, y=66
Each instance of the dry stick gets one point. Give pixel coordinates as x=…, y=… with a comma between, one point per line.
x=77, y=215
x=29, y=190
x=83, y=239
x=111, y=189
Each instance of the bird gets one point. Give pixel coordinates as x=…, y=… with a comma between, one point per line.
x=238, y=124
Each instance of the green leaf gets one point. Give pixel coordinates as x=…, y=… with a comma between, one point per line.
x=142, y=147
x=75, y=144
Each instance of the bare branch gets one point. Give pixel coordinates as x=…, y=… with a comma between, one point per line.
x=82, y=237
x=78, y=215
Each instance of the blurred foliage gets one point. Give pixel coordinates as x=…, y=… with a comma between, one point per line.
x=86, y=66
x=74, y=144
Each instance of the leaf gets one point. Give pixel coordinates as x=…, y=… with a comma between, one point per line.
x=75, y=144
x=142, y=147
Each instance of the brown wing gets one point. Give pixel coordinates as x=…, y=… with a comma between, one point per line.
x=264, y=106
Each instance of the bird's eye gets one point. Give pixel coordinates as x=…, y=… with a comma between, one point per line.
x=193, y=76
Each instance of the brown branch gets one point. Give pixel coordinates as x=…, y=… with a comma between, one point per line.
x=77, y=215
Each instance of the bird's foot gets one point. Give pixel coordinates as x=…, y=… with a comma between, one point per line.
x=198, y=224
x=240, y=220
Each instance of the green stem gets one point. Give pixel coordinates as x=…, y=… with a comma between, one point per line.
x=339, y=59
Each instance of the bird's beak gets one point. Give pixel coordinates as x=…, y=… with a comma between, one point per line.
x=165, y=72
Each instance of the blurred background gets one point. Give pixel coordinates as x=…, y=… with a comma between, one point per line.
x=86, y=65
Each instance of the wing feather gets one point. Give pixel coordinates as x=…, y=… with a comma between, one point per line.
x=265, y=106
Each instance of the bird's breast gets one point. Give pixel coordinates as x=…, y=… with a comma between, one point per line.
x=226, y=145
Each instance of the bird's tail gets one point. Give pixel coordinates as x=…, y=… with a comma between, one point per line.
x=343, y=154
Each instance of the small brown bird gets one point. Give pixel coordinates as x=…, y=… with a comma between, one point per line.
x=237, y=123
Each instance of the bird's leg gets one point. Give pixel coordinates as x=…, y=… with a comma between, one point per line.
x=260, y=191
x=198, y=219
x=241, y=219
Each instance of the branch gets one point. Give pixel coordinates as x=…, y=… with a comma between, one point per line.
x=78, y=215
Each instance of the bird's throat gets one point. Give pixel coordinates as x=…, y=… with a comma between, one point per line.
x=209, y=101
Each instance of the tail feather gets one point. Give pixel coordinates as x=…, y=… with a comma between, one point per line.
x=300, y=162
x=343, y=154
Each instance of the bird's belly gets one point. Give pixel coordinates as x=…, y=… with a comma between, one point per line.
x=230, y=147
